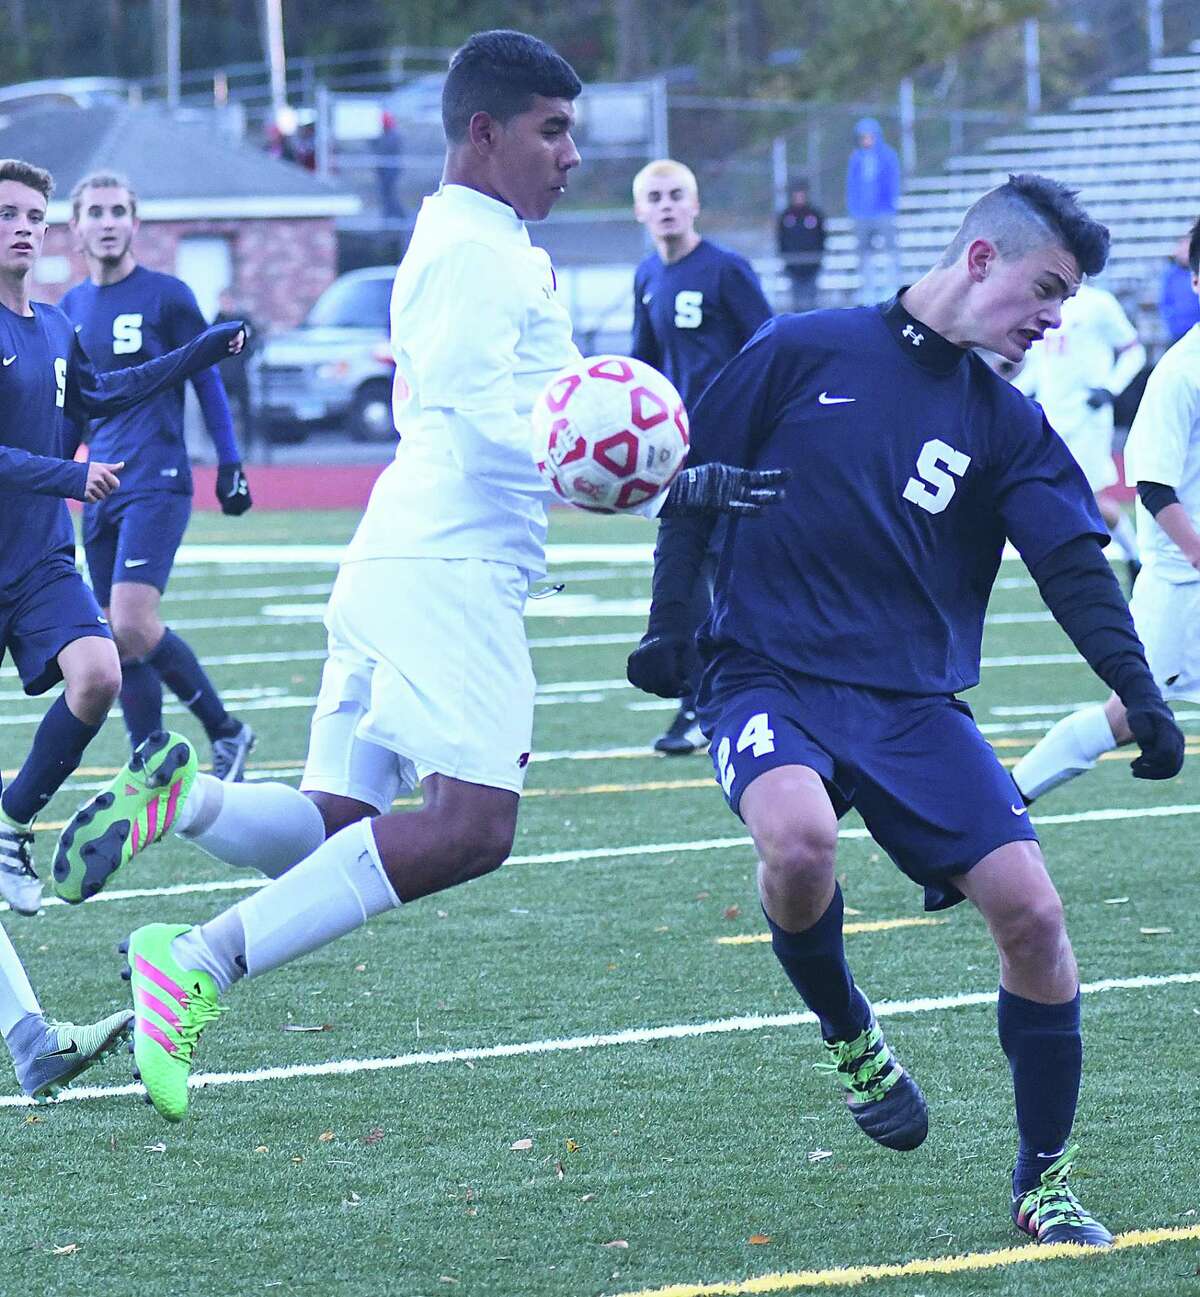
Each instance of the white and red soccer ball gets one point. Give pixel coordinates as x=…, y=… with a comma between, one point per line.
x=609, y=433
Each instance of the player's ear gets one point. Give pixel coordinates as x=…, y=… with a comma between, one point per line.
x=981, y=257
x=482, y=132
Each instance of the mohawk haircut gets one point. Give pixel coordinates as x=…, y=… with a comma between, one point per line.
x=101, y=180
x=25, y=173
x=1027, y=212
x=1194, y=248
x=499, y=73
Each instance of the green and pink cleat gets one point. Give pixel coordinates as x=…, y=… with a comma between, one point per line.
x=137, y=809
x=172, y=1005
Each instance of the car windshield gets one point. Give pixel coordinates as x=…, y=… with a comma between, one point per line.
x=353, y=304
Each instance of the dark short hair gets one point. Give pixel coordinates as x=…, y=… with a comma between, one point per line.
x=1194, y=248
x=101, y=180
x=25, y=173
x=1025, y=213
x=499, y=73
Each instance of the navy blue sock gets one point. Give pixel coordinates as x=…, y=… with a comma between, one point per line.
x=185, y=677
x=815, y=962
x=1045, y=1052
x=57, y=748
x=141, y=700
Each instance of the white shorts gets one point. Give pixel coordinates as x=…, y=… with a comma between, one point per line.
x=1092, y=448
x=1167, y=617
x=428, y=673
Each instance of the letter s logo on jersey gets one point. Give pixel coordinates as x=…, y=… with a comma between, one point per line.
x=689, y=313
x=936, y=487
x=127, y=334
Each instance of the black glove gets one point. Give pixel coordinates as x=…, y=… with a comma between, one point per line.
x=721, y=488
x=1098, y=397
x=1159, y=738
x=233, y=491
x=662, y=665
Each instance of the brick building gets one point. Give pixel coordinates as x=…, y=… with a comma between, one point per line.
x=214, y=210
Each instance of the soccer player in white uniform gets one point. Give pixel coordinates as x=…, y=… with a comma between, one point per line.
x=1075, y=373
x=428, y=679
x=1162, y=456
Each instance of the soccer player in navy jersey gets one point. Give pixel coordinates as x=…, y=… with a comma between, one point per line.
x=695, y=305
x=127, y=314
x=845, y=624
x=49, y=619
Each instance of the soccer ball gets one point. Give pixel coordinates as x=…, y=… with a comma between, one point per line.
x=609, y=433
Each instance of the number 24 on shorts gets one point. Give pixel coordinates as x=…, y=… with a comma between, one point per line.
x=757, y=735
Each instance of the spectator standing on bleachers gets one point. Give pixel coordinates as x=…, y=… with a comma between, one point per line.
x=800, y=237
x=1178, y=303
x=872, y=199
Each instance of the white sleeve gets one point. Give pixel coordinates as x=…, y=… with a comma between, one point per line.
x=1130, y=355
x=1163, y=427
x=461, y=332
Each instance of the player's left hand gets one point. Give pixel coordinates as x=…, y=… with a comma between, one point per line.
x=1099, y=397
x=661, y=664
x=722, y=488
x=1159, y=738
x=238, y=342
x=233, y=490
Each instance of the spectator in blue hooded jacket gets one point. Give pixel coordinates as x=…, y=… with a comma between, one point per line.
x=1177, y=301
x=872, y=196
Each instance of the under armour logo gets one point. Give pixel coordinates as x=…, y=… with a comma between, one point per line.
x=912, y=335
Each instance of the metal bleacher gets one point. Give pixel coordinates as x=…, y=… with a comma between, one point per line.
x=1133, y=152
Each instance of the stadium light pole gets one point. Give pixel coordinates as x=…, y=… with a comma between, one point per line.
x=1154, y=28
x=1033, y=67
x=275, y=54
x=172, y=52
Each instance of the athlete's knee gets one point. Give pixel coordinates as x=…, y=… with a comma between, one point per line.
x=93, y=688
x=338, y=813
x=136, y=638
x=796, y=853
x=480, y=847
x=1034, y=931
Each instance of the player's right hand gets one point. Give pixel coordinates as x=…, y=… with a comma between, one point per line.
x=102, y=481
x=1159, y=738
x=661, y=664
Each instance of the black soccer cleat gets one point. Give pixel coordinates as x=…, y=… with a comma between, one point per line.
x=1050, y=1212
x=683, y=736
x=880, y=1095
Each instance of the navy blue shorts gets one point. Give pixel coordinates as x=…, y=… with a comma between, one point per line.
x=50, y=609
x=134, y=538
x=931, y=791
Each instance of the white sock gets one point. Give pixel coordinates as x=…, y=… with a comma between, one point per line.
x=263, y=826
x=335, y=890
x=1074, y=745
x=16, y=994
x=1125, y=537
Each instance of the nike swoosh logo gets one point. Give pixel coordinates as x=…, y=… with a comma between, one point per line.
x=136, y=562
x=1019, y=810
x=8, y=360
x=67, y=1050
x=826, y=399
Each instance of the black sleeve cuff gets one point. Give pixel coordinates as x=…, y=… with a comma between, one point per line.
x=1156, y=496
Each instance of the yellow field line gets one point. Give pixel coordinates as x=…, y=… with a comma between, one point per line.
x=852, y=1276
x=872, y=925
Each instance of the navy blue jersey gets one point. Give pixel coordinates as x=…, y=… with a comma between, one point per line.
x=143, y=316
x=911, y=462
x=691, y=316
x=48, y=389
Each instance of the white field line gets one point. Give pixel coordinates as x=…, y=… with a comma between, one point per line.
x=575, y=1044
x=331, y=555
x=1102, y=815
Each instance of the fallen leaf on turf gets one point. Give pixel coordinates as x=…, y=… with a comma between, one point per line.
x=1116, y=900
x=560, y=1170
x=819, y=1154
x=587, y=1197
x=447, y=1278
x=374, y=1135
x=155, y=1148
x=33, y=1119
x=262, y=1148
x=759, y=1239
x=297, y=1160
x=325, y=1137
x=571, y=1145
x=351, y=1199
x=360, y=968
x=616, y=1242
x=732, y=911
x=1155, y=932
x=521, y=1143
x=67, y=1249
x=324, y=1026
